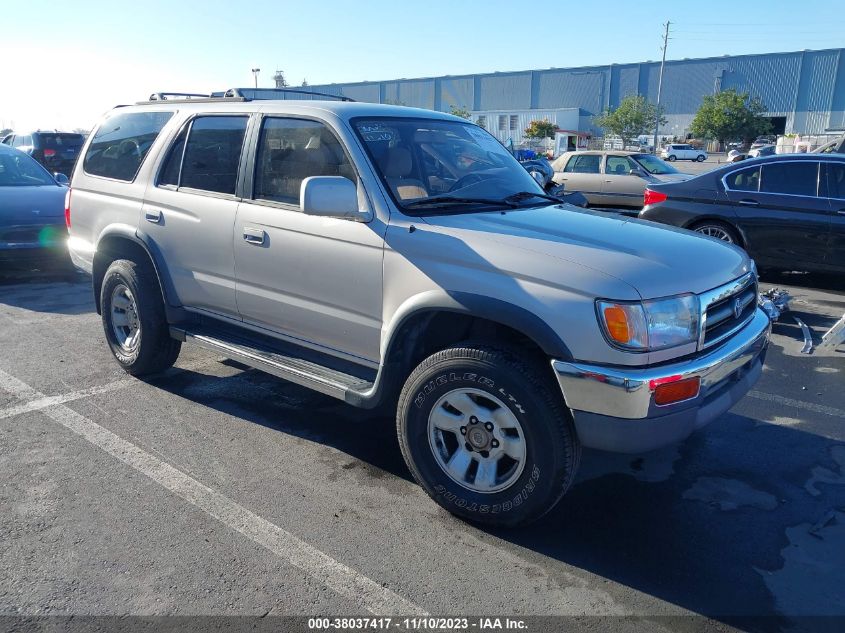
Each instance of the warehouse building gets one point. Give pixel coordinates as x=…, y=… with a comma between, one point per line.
x=803, y=91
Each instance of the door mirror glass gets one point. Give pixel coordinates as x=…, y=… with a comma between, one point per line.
x=61, y=178
x=330, y=196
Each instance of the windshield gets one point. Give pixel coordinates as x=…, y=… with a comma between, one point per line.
x=420, y=159
x=654, y=165
x=19, y=170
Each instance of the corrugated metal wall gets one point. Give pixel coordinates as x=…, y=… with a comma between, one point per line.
x=808, y=88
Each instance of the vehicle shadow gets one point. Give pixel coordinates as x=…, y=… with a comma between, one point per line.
x=809, y=281
x=46, y=291
x=639, y=520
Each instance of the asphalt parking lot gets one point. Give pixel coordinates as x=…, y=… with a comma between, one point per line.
x=217, y=490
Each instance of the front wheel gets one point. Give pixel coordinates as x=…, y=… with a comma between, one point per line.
x=487, y=436
x=133, y=319
x=671, y=158
x=700, y=158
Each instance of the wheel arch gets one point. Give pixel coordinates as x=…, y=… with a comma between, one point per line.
x=121, y=242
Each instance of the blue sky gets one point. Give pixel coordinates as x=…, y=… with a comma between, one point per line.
x=73, y=60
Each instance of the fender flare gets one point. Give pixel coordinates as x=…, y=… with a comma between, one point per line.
x=489, y=308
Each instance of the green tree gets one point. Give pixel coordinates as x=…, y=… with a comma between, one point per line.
x=540, y=129
x=5, y=131
x=730, y=115
x=461, y=112
x=481, y=122
x=633, y=116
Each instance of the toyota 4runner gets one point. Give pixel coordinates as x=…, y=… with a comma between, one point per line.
x=393, y=256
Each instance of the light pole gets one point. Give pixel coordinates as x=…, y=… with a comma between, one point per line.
x=660, y=83
x=255, y=72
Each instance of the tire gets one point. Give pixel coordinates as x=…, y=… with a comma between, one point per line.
x=700, y=158
x=133, y=319
x=459, y=387
x=671, y=158
x=719, y=230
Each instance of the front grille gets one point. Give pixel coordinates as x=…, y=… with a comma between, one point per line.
x=728, y=311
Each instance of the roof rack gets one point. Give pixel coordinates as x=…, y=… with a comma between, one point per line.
x=164, y=96
x=258, y=94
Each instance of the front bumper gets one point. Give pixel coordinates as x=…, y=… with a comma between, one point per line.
x=614, y=410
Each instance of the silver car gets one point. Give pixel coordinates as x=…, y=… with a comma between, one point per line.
x=613, y=178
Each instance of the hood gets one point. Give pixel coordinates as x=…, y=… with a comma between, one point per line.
x=24, y=206
x=655, y=259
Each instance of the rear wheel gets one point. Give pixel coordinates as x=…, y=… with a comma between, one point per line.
x=133, y=319
x=486, y=435
x=719, y=230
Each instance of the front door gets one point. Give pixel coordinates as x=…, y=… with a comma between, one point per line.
x=777, y=205
x=189, y=212
x=619, y=185
x=315, y=280
x=834, y=177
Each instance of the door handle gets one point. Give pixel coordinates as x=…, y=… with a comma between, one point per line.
x=152, y=215
x=253, y=236
x=749, y=203
x=841, y=212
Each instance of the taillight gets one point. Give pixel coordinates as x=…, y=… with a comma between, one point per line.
x=653, y=197
x=49, y=153
x=67, y=209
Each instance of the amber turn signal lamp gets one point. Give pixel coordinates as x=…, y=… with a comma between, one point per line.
x=617, y=324
x=673, y=389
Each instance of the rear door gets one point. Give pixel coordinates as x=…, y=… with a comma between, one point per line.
x=582, y=172
x=189, y=211
x=784, y=221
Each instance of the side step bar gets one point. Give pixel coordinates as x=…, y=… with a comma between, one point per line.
x=286, y=364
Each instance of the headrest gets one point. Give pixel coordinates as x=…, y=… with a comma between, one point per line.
x=396, y=163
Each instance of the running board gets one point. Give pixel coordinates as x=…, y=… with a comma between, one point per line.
x=287, y=364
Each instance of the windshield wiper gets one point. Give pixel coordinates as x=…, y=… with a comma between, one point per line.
x=449, y=200
x=522, y=195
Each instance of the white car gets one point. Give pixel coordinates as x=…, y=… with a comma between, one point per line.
x=683, y=151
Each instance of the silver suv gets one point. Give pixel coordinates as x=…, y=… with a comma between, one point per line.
x=401, y=257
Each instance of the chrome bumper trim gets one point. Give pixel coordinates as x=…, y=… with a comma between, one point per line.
x=623, y=392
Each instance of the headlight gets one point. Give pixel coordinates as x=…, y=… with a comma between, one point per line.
x=650, y=325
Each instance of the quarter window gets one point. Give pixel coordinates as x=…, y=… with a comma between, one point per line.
x=584, y=164
x=213, y=153
x=744, y=179
x=291, y=150
x=121, y=143
x=799, y=178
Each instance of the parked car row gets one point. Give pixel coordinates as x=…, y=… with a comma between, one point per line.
x=57, y=151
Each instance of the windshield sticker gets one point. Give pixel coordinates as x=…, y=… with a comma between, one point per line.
x=374, y=132
x=485, y=140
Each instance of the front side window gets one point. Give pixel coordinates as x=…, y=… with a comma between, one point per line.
x=584, y=164
x=744, y=180
x=794, y=178
x=19, y=170
x=213, y=153
x=619, y=165
x=449, y=165
x=291, y=150
x=122, y=142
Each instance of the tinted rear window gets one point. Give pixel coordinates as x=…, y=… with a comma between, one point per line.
x=744, y=179
x=122, y=142
x=61, y=140
x=794, y=178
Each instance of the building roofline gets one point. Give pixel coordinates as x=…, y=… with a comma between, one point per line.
x=593, y=68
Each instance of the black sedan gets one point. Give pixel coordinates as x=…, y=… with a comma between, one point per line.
x=787, y=211
x=32, y=215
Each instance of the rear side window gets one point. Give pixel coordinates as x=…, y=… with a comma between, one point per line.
x=213, y=153
x=122, y=142
x=583, y=164
x=291, y=150
x=835, y=180
x=794, y=178
x=744, y=179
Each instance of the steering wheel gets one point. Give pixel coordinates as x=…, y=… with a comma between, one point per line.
x=129, y=146
x=465, y=181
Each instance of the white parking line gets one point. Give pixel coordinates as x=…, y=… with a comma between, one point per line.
x=798, y=404
x=342, y=579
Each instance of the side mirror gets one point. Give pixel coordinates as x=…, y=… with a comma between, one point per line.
x=61, y=178
x=634, y=171
x=331, y=197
